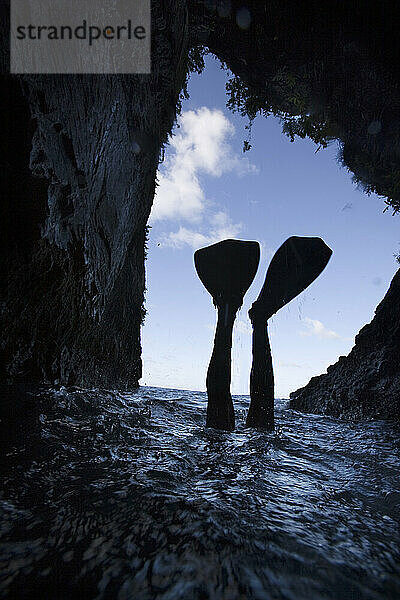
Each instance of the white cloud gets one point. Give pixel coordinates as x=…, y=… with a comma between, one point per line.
x=221, y=228
x=315, y=327
x=184, y=237
x=200, y=145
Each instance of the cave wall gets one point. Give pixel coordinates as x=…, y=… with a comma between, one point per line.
x=88, y=150
x=329, y=69
x=366, y=382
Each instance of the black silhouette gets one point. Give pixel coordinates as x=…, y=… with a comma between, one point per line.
x=226, y=269
x=293, y=268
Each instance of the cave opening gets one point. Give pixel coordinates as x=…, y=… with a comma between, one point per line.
x=282, y=188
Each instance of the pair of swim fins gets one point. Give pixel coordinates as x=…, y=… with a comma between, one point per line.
x=227, y=270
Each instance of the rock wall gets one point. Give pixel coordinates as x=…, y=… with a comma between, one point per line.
x=329, y=70
x=366, y=382
x=78, y=160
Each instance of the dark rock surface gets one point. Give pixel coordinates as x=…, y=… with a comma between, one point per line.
x=329, y=70
x=366, y=383
x=78, y=158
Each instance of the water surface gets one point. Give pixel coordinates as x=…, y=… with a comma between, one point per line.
x=129, y=496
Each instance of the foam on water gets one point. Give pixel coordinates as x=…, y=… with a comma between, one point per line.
x=128, y=495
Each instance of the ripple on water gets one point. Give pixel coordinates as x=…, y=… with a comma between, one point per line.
x=130, y=496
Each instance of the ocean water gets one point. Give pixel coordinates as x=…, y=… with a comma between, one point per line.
x=130, y=496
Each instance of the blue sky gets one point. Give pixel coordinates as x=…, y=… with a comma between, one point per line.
x=209, y=190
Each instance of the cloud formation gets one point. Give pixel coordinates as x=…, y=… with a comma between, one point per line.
x=200, y=146
x=220, y=228
x=318, y=329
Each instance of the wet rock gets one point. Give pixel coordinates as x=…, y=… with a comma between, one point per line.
x=366, y=383
x=79, y=156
